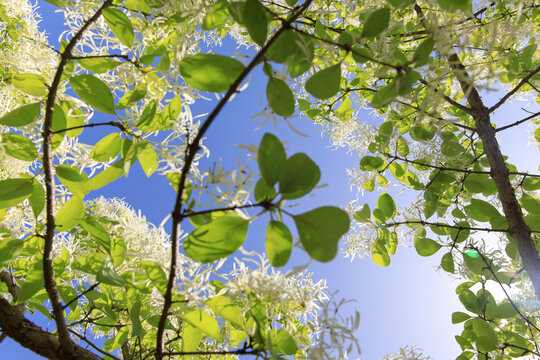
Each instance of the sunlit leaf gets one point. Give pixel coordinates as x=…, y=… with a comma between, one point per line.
x=210, y=72
x=93, y=91
x=120, y=25
x=278, y=243
x=271, y=157
x=325, y=83
x=298, y=177
x=23, y=115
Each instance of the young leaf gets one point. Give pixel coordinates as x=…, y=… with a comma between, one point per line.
x=131, y=97
x=319, y=231
x=107, y=148
x=278, y=243
x=263, y=191
x=254, y=17
x=298, y=176
x=363, y=215
x=226, y=308
x=280, y=97
x=120, y=25
x=69, y=214
x=210, y=72
x=14, y=191
x=216, y=239
x=376, y=22
x=191, y=337
x=29, y=83
x=23, y=115
x=325, y=83
x=271, y=157
x=387, y=206
x=204, y=321
x=94, y=92
x=459, y=317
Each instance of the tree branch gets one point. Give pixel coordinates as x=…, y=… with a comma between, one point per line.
x=117, y=124
x=192, y=149
x=457, y=227
x=518, y=122
x=81, y=294
x=97, y=348
x=67, y=347
x=514, y=90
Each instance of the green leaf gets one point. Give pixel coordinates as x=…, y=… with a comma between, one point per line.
x=298, y=177
x=108, y=175
x=14, y=191
x=156, y=275
x=210, y=72
x=70, y=214
x=530, y=183
x=31, y=84
x=216, y=239
x=302, y=58
x=363, y=215
x=107, y=274
x=379, y=253
x=282, y=342
x=119, y=339
x=319, y=231
x=191, y=337
x=460, y=235
x=402, y=147
x=254, y=17
x=226, y=308
x=470, y=301
x=487, y=337
x=99, y=65
x=33, y=282
x=37, y=199
x=530, y=204
x=90, y=263
x=271, y=157
x=376, y=22
x=481, y=210
x=9, y=250
x=447, y=263
x=505, y=310
x=371, y=163
x=325, y=83
x=453, y=5
x=149, y=160
x=278, y=243
x=120, y=25
x=425, y=246
x=386, y=207
x=216, y=16
x=94, y=92
x=97, y=231
x=107, y=148
x=19, y=147
x=280, y=97
x=459, y=317
x=204, y=321
x=283, y=48
x=73, y=179
x=263, y=192
x=422, y=52
x=131, y=97
x=23, y=115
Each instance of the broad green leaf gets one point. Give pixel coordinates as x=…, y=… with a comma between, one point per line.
x=480, y=183
x=453, y=5
x=371, y=163
x=447, y=263
x=325, y=83
x=487, y=337
x=226, y=308
x=67, y=293
x=191, y=337
x=505, y=310
x=107, y=176
x=210, y=72
x=156, y=275
x=376, y=22
x=319, y=231
x=379, y=253
x=481, y=210
x=460, y=235
x=90, y=263
x=302, y=58
x=14, y=191
x=107, y=274
x=204, y=321
x=31, y=84
x=254, y=17
x=470, y=301
x=98, y=65
x=118, y=340
x=131, y=97
x=37, y=199
x=216, y=16
x=283, y=47
x=422, y=52
x=282, y=342
x=363, y=215
x=422, y=132
x=23, y=115
x=19, y=147
x=392, y=242
x=94, y=92
x=120, y=25
x=9, y=250
x=118, y=251
x=530, y=204
x=217, y=239
x=387, y=207
x=271, y=157
x=149, y=160
x=32, y=283
x=425, y=246
x=522, y=344
x=530, y=183
x=278, y=243
x=97, y=231
x=107, y=148
x=68, y=216
x=74, y=180
x=298, y=177
x=263, y=192
x=280, y=97
x=459, y=317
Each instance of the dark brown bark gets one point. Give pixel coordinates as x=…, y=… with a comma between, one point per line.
x=31, y=336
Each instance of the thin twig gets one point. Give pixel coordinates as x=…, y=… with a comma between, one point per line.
x=514, y=90
x=117, y=124
x=518, y=122
x=82, y=294
x=97, y=348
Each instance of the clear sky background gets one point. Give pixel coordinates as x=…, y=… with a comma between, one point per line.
x=407, y=303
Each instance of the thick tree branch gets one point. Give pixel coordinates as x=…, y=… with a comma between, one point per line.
x=67, y=349
x=192, y=149
x=31, y=336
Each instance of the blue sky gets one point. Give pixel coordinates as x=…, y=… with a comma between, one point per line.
x=404, y=304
